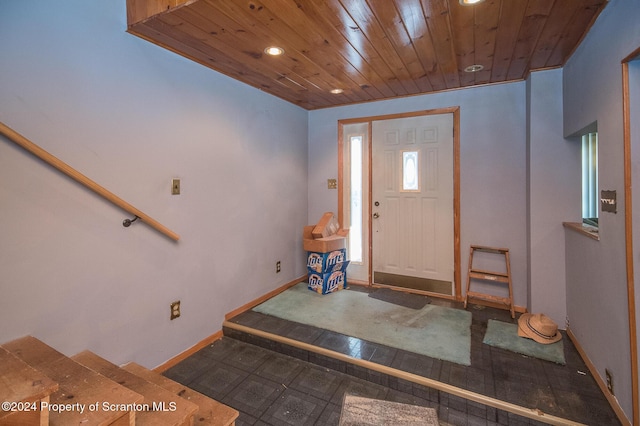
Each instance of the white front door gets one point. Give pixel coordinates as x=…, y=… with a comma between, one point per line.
x=413, y=201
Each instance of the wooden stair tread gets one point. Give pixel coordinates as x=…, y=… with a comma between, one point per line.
x=160, y=406
x=22, y=382
x=211, y=412
x=77, y=385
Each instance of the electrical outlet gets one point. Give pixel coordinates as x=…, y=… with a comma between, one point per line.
x=332, y=183
x=175, y=187
x=609, y=377
x=278, y=266
x=175, y=309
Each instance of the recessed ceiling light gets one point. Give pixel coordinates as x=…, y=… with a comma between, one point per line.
x=337, y=91
x=474, y=68
x=470, y=2
x=274, y=50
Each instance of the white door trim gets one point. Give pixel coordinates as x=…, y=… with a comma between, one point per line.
x=629, y=240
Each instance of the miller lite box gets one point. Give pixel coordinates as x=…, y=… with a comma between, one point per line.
x=322, y=262
x=328, y=282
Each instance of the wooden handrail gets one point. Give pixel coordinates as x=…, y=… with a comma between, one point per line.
x=79, y=177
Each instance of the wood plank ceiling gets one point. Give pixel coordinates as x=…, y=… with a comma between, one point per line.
x=369, y=49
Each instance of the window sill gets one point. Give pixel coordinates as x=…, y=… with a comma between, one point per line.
x=581, y=228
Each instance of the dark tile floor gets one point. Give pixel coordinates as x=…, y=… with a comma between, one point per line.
x=275, y=384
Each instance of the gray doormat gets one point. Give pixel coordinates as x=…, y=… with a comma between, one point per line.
x=408, y=300
x=360, y=411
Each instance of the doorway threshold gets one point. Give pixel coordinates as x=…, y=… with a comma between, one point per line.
x=413, y=283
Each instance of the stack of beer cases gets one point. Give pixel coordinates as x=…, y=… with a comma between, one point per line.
x=327, y=261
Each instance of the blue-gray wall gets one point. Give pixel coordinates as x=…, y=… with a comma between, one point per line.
x=596, y=270
x=553, y=187
x=132, y=116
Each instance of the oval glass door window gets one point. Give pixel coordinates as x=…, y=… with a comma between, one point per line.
x=410, y=171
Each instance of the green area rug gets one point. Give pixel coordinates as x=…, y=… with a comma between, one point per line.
x=505, y=335
x=434, y=331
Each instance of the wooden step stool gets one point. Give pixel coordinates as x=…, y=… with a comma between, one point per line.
x=498, y=277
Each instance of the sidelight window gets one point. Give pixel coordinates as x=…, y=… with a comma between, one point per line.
x=355, y=232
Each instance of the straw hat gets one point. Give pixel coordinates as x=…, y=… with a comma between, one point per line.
x=538, y=327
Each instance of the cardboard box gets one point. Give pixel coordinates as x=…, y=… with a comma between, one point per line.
x=327, y=226
x=323, y=262
x=329, y=282
x=323, y=245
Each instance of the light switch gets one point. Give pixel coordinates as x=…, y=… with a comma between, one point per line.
x=175, y=187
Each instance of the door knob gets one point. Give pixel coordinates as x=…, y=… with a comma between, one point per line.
x=377, y=203
x=376, y=215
